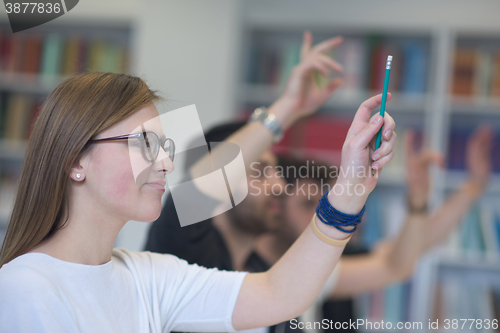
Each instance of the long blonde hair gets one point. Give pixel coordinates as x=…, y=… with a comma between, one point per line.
x=77, y=110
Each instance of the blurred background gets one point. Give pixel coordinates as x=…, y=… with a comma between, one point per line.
x=231, y=56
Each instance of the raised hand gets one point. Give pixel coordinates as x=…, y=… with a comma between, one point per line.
x=417, y=171
x=478, y=156
x=355, y=176
x=301, y=95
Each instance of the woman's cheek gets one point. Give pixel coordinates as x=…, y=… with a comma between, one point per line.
x=118, y=178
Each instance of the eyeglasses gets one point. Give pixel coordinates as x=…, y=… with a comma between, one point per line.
x=150, y=144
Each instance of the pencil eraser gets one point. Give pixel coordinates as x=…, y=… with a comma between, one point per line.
x=389, y=62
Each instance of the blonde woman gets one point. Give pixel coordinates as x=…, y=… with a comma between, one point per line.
x=59, y=271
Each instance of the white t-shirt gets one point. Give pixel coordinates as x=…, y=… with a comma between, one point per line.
x=134, y=292
x=313, y=314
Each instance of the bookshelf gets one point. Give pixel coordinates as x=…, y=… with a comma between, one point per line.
x=32, y=64
x=434, y=108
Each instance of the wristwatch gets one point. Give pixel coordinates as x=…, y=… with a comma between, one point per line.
x=269, y=120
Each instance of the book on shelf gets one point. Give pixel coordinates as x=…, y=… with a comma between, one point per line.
x=390, y=304
x=495, y=85
x=54, y=54
x=352, y=59
x=415, y=66
x=71, y=56
x=32, y=56
x=476, y=73
x=385, y=216
x=468, y=304
x=317, y=137
x=478, y=235
x=18, y=114
x=8, y=186
x=363, y=59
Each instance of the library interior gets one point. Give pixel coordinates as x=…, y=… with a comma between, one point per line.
x=229, y=57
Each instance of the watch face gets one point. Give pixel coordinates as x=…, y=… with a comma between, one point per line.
x=258, y=114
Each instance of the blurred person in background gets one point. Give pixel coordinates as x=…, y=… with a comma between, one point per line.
x=391, y=261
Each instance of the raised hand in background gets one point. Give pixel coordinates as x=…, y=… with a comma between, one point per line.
x=418, y=164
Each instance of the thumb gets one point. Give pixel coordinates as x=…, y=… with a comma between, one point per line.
x=363, y=138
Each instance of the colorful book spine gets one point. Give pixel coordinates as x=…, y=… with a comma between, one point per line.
x=476, y=73
x=53, y=55
x=270, y=63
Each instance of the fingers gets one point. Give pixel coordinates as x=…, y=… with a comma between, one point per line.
x=362, y=116
x=389, y=126
x=331, y=63
x=328, y=44
x=386, y=130
x=363, y=138
x=381, y=162
x=319, y=49
x=306, y=44
x=321, y=63
x=385, y=148
x=312, y=64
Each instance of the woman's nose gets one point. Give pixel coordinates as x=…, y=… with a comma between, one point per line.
x=163, y=163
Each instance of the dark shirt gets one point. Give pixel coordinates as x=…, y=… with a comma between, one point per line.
x=200, y=243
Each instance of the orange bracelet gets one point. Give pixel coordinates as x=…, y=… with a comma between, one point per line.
x=324, y=237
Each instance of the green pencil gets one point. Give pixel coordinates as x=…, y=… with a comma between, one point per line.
x=384, y=98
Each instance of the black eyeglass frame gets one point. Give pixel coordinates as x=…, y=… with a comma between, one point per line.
x=139, y=136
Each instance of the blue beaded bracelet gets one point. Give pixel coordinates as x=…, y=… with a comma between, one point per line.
x=329, y=215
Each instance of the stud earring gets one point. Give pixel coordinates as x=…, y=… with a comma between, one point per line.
x=78, y=176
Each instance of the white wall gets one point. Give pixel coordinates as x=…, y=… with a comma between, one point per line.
x=187, y=49
x=465, y=14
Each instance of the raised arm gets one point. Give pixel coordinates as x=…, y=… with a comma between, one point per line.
x=458, y=204
x=301, y=98
x=291, y=285
x=393, y=261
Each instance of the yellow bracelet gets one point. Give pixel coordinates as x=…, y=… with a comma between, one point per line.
x=324, y=237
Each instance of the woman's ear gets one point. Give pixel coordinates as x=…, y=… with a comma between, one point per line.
x=79, y=168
